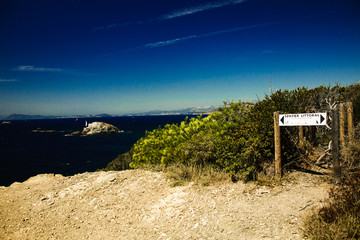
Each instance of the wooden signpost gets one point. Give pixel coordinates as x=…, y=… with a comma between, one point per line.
x=316, y=119
x=278, y=172
x=350, y=122
x=302, y=119
x=350, y=114
x=342, y=124
x=297, y=119
x=335, y=151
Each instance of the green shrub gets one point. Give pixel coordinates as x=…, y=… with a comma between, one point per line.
x=239, y=137
x=161, y=145
x=122, y=162
x=196, y=142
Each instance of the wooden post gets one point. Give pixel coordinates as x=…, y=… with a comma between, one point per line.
x=335, y=145
x=277, y=145
x=350, y=115
x=301, y=138
x=342, y=125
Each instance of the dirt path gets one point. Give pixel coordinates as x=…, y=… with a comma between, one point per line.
x=141, y=205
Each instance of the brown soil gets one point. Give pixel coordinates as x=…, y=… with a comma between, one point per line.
x=139, y=204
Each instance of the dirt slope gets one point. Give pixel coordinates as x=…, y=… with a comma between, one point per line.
x=141, y=205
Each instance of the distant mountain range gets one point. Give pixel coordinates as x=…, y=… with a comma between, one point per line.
x=190, y=111
x=29, y=117
x=186, y=111
x=26, y=117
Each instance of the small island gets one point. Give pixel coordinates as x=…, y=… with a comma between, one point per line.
x=96, y=128
x=40, y=130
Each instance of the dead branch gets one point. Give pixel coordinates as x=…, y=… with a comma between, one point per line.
x=326, y=153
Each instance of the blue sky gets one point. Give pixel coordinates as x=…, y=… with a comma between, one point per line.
x=64, y=57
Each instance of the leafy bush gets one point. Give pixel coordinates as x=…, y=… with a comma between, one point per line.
x=239, y=137
x=122, y=162
x=161, y=146
x=196, y=142
x=340, y=219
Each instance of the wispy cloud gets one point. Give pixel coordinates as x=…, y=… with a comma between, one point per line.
x=195, y=36
x=198, y=8
x=28, y=68
x=7, y=80
x=168, y=42
x=237, y=29
x=176, y=40
x=174, y=14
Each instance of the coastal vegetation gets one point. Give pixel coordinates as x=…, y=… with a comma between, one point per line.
x=237, y=141
x=238, y=138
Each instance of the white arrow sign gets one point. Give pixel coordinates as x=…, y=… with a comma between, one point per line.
x=302, y=119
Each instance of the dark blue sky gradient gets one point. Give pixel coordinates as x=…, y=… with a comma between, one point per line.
x=67, y=57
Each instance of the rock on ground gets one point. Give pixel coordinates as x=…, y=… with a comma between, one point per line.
x=138, y=204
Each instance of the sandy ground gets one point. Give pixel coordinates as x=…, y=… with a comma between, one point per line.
x=139, y=204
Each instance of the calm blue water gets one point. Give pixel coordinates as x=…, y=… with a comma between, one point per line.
x=25, y=153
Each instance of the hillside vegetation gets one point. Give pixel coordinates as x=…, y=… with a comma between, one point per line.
x=238, y=139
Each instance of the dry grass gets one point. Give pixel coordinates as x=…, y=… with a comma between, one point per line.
x=181, y=174
x=351, y=155
x=340, y=218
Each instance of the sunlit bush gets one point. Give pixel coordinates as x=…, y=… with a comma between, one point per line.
x=239, y=137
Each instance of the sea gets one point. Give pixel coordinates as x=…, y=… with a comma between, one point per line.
x=31, y=147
